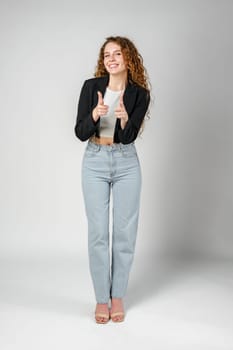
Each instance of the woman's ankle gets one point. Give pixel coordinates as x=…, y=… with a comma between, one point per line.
x=116, y=300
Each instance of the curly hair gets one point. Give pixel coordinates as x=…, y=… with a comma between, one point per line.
x=136, y=71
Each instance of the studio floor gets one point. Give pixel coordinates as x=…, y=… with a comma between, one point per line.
x=48, y=303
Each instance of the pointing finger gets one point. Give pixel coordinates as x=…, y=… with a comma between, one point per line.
x=121, y=102
x=100, y=98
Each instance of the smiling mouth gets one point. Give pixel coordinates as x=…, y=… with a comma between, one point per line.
x=113, y=65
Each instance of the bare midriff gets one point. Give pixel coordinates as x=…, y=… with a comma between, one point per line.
x=102, y=140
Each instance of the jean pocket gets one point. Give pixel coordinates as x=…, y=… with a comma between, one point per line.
x=129, y=151
x=91, y=150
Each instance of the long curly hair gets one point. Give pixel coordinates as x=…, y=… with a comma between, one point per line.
x=137, y=73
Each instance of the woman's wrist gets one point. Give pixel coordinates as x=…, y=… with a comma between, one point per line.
x=95, y=115
x=123, y=122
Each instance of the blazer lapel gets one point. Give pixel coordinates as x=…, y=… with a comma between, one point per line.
x=129, y=97
x=102, y=84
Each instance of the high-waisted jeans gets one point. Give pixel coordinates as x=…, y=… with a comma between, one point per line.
x=111, y=172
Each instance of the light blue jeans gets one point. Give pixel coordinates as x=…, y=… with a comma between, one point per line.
x=111, y=171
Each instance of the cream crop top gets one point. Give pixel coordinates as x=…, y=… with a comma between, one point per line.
x=108, y=121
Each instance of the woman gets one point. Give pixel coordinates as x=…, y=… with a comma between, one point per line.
x=111, y=110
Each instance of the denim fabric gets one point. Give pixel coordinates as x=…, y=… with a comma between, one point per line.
x=111, y=171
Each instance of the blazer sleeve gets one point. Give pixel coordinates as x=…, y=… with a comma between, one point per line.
x=132, y=127
x=85, y=126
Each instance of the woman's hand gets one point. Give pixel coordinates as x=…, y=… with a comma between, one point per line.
x=121, y=113
x=101, y=109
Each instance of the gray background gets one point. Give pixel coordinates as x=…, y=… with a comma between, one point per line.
x=48, y=48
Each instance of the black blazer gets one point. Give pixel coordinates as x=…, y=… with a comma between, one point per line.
x=136, y=100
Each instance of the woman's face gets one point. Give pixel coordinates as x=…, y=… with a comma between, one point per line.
x=113, y=59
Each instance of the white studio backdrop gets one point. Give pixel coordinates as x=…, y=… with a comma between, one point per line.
x=48, y=48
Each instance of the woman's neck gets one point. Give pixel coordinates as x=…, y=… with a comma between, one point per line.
x=117, y=83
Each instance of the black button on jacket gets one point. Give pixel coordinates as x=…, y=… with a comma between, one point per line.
x=136, y=100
